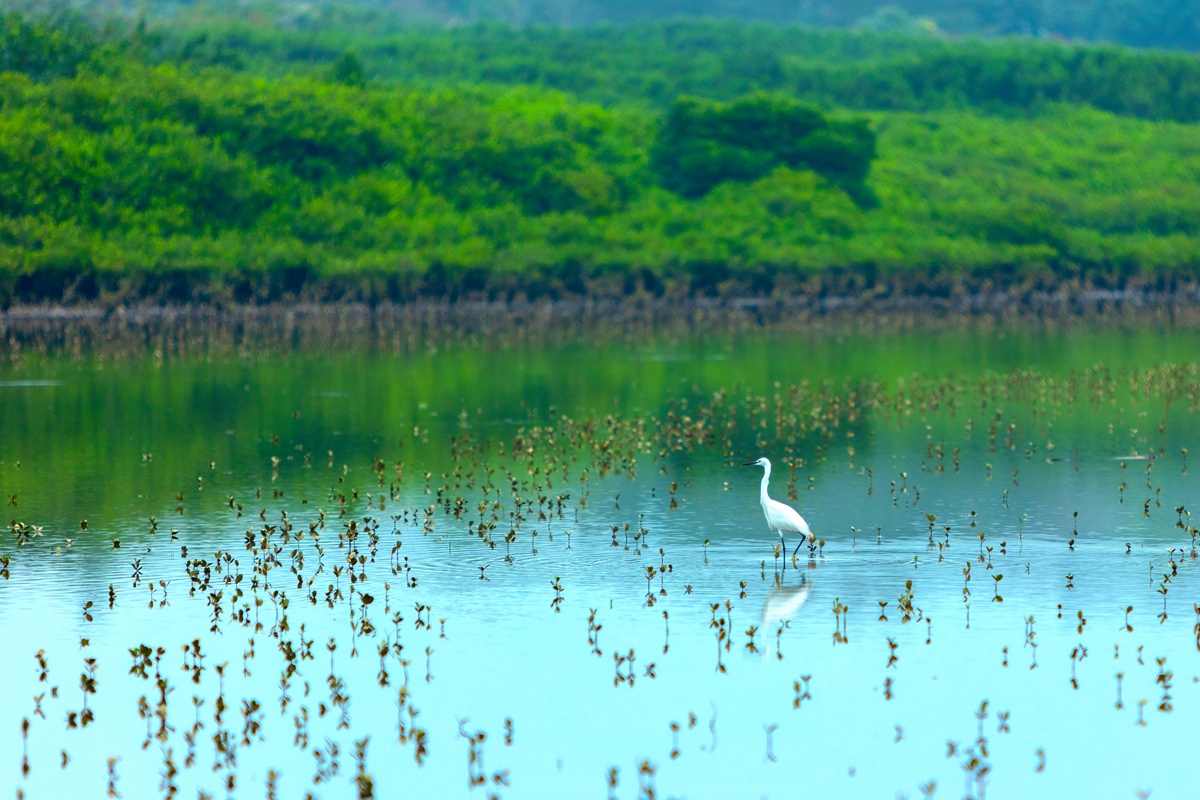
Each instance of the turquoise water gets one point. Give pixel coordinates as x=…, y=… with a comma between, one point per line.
x=790, y=690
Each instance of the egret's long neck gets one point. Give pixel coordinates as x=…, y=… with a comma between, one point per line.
x=762, y=493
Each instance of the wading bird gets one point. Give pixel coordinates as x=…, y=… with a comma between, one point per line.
x=780, y=517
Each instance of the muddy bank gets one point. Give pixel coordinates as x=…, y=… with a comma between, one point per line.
x=183, y=329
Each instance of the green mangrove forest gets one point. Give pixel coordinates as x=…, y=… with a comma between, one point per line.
x=209, y=161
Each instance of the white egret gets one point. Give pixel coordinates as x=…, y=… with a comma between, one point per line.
x=780, y=517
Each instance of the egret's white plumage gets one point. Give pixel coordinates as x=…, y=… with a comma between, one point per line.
x=780, y=517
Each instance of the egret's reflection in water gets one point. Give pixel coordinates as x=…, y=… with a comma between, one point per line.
x=783, y=602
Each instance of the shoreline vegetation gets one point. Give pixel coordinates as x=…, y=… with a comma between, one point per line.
x=692, y=164
x=27, y=332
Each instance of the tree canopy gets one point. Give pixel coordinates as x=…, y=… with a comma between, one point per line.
x=133, y=170
x=702, y=143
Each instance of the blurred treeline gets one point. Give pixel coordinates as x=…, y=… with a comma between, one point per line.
x=1168, y=24
x=207, y=161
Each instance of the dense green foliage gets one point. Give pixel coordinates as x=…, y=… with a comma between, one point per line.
x=1140, y=23
x=44, y=50
x=702, y=144
x=127, y=177
x=652, y=64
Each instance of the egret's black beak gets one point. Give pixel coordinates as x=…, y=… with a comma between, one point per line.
x=750, y=464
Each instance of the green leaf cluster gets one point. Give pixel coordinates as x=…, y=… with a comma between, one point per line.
x=44, y=49
x=704, y=143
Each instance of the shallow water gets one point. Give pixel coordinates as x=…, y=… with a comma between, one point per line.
x=1076, y=495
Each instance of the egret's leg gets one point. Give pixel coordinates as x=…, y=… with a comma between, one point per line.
x=797, y=550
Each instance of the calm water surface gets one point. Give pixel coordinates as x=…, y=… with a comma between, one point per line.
x=1051, y=469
